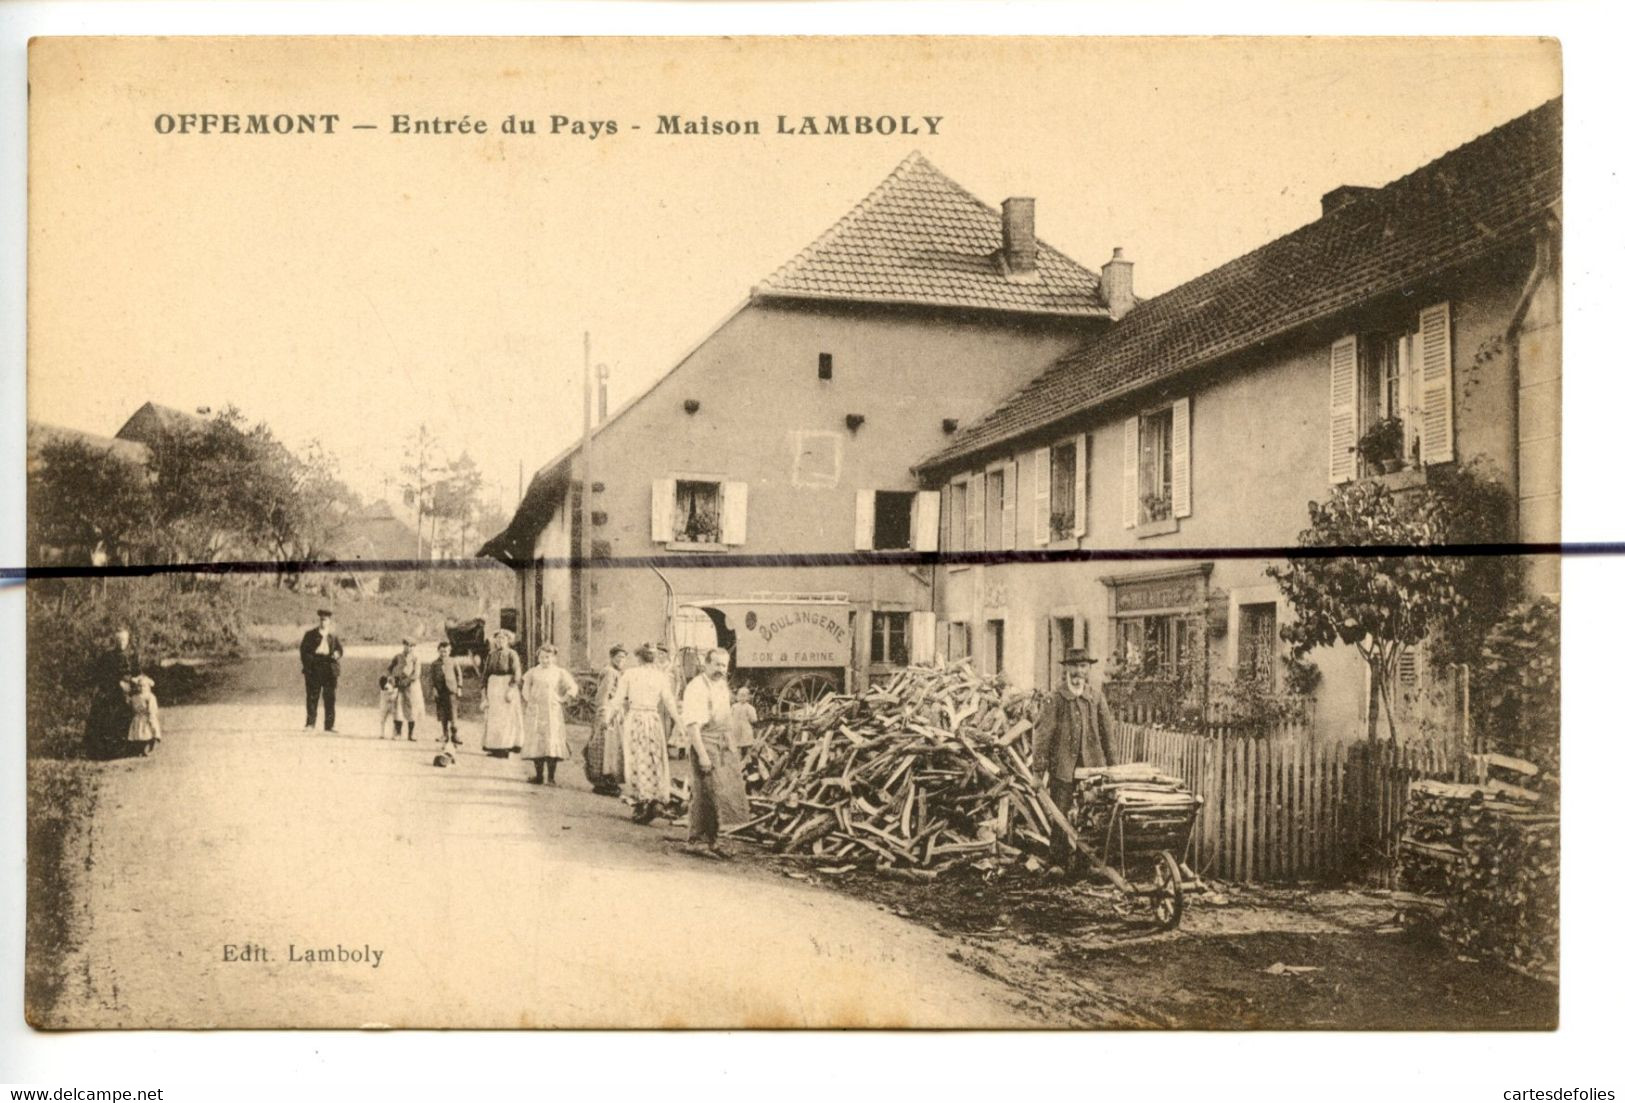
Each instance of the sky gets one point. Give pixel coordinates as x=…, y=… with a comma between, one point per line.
x=349, y=288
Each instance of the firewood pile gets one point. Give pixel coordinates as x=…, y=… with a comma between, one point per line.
x=1480, y=863
x=925, y=772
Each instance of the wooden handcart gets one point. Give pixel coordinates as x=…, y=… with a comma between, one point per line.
x=1133, y=825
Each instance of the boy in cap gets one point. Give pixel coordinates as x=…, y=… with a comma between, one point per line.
x=446, y=683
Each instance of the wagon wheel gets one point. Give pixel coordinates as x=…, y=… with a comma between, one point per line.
x=803, y=691
x=1167, y=892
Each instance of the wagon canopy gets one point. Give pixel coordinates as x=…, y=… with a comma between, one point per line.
x=777, y=631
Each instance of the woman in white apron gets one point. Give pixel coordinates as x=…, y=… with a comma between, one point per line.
x=504, y=712
x=544, y=690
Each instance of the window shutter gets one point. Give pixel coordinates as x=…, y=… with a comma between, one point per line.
x=939, y=643
x=1080, y=489
x=662, y=499
x=1007, y=533
x=927, y=507
x=922, y=637
x=864, y=538
x=1344, y=392
x=1131, y=471
x=974, y=495
x=1438, y=421
x=1182, y=458
x=733, y=512
x=1041, y=496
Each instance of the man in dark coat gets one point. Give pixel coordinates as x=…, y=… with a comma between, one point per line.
x=319, y=655
x=108, y=724
x=1073, y=730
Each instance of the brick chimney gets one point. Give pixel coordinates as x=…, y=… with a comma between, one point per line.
x=1338, y=198
x=1117, y=284
x=1020, y=253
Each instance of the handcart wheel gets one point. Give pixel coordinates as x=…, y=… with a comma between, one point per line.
x=1167, y=892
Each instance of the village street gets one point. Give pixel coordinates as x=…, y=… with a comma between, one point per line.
x=497, y=904
x=493, y=903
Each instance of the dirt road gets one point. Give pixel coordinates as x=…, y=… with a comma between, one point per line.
x=460, y=897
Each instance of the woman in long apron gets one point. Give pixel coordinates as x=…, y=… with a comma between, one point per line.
x=544, y=689
x=603, y=753
x=641, y=695
x=504, y=712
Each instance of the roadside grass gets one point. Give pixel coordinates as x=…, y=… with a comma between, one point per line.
x=62, y=797
x=413, y=605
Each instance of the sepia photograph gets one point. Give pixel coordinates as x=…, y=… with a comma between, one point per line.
x=1043, y=534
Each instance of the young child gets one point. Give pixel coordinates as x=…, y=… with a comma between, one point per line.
x=446, y=683
x=144, y=725
x=389, y=697
x=744, y=719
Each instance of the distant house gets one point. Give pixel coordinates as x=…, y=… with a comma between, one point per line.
x=791, y=428
x=1209, y=416
x=151, y=421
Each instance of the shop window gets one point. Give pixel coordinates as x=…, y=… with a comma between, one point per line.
x=1164, y=646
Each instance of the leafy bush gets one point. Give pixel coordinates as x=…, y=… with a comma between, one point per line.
x=70, y=621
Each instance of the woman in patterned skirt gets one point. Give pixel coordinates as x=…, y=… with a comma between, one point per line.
x=640, y=697
x=504, y=713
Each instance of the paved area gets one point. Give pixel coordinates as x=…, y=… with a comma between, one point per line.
x=462, y=897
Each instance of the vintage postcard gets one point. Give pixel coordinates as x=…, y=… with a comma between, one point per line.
x=794, y=533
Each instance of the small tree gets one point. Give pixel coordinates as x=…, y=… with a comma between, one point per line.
x=1379, y=603
x=83, y=501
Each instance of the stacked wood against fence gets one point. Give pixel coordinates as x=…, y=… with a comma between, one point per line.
x=1299, y=810
x=1480, y=863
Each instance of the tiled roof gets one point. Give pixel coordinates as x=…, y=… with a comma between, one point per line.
x=1460, y=207
x=921, y=239
x=41, y=436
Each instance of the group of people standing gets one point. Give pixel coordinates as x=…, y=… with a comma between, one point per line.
x=631, y=741
x=524, y=709
x=123, y=717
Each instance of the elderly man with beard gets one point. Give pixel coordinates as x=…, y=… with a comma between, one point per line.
x=1073, y=730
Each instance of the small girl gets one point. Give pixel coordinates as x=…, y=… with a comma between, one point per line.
x=144, y=726
x=389, y=696
x=744, y=718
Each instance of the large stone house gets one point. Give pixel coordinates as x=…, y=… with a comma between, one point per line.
x=1209, y=416
x=790, y=431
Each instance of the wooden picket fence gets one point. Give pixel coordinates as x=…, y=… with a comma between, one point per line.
x=1293, y=810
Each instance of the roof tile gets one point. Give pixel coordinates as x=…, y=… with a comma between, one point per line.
x=1470, y=201
x=920, y=238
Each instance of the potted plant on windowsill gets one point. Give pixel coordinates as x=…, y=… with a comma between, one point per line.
x=1382, y=446
x=701, y=528
x=1157, y=507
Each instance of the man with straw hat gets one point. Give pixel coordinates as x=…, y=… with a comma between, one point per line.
x=1074, y=729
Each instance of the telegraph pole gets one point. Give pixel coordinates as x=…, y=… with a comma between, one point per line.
x=585, y=566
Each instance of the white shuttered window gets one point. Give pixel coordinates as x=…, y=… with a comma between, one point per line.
x=1344, y=409
x=1438, y=421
